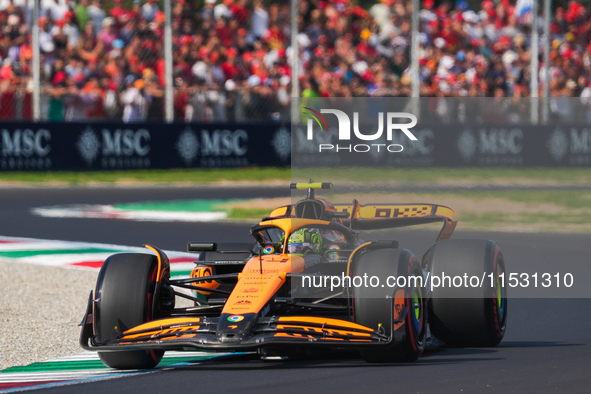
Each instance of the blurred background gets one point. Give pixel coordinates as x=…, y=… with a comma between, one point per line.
x=232, y=60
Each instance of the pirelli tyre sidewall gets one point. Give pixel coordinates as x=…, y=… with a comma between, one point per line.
x=377, y=307
x=125, y=291
x=463, y=315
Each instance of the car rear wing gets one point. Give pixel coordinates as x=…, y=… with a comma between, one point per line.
x=381, y=216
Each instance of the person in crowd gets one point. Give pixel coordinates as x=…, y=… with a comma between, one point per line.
x=96, y=15
x=135, y=100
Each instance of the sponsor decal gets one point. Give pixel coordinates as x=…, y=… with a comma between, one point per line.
x=256, y=282
x=224, y=143
x=558, y=145
x=265, y=270
x=281, y=142
x=467, y=145
x=333, y=255
x=491, y=146
x=200, y=272
x=571, y=146
x=214, y=148
x=118, y=149
x=229, y=262
x=401, y=211
x=88, y=146
x=25, y=149
x=188, y=146
x=235, y=318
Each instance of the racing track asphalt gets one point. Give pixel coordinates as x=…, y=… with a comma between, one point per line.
x=546, y=347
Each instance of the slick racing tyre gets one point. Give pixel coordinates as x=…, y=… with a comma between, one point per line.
x=125, y=290
x=467, y=314
x=397, y=312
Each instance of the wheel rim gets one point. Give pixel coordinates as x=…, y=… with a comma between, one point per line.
x=417, y=309
x=501, y=299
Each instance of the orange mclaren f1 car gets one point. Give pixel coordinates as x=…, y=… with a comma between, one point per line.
x=309, y=281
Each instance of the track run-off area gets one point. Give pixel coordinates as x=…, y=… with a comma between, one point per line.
x=82, y=367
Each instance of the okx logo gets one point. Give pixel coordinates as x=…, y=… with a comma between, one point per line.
x=388, y=121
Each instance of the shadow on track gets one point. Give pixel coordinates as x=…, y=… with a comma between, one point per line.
x=535, y=344
x=251, y=361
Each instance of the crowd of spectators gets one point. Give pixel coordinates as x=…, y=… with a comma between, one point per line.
x=231, y=58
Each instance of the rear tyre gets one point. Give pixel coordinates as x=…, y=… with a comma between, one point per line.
x=468, y=316
x=378, y=307
x=125, y=289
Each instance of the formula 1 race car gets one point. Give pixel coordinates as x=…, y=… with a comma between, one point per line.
x=308, y=282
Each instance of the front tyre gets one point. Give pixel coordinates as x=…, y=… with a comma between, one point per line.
x=399, y=312
x=125, y=290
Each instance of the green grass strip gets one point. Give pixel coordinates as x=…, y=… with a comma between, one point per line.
x=92, y=364
x=285, y=175
x=164, y=177
x=176, y=205
x=15, y=254
x=241, y=214
x=443, y=175
x=175, y=273
x=248, y=214
x=57, y=366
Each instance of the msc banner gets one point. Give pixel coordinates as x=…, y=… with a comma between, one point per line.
x=113, y=146
x=447, y=145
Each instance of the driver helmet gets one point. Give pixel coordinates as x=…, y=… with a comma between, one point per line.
x=304, y=240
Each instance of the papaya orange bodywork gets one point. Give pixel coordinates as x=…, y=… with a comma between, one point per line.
x=181, y=321
x=200, y=272
x=324, y=321
x=255, y=287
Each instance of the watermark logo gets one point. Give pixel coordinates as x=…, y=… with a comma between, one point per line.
x=314, y=115
x=387, y=121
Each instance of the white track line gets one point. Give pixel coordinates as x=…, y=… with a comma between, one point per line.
x=108, y=212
